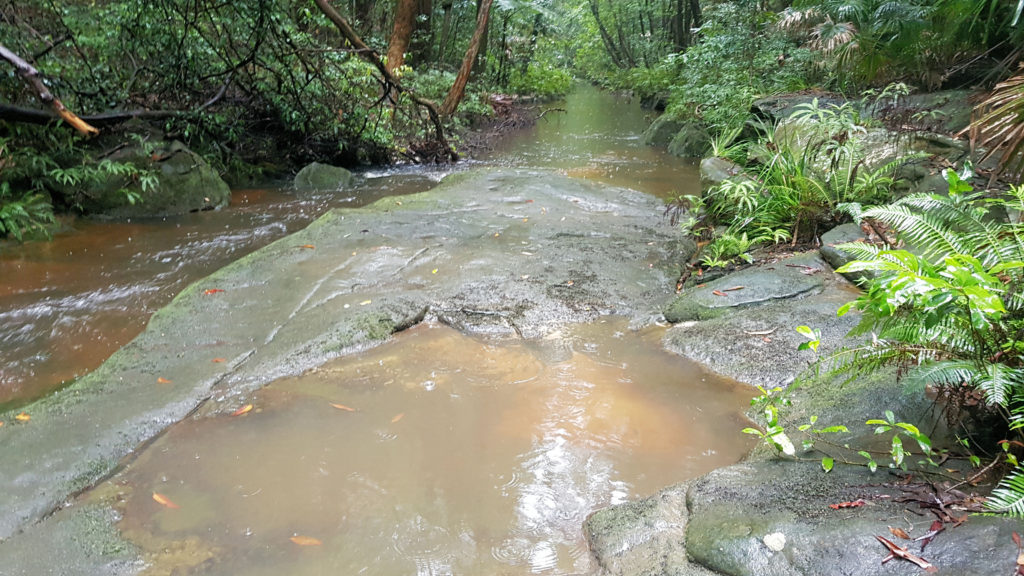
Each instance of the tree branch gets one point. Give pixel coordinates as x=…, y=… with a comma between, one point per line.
x=373, y=58
x=31, y=77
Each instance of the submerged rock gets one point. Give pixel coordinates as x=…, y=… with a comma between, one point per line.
x=317, y=176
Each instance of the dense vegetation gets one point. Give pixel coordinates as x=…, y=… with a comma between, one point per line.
x=264, y=86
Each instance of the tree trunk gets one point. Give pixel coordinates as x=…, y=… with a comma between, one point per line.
x=423, y=34
x=31, y=77
x=458, y=89
x=446, y=29
x=537, y=21
x=606, y=38
x=401, y=34
x=480, y=63
x=392, y=83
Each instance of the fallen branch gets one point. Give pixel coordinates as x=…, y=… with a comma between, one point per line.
x=31, y=77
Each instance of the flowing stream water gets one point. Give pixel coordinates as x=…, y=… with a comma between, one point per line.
x=434, y=453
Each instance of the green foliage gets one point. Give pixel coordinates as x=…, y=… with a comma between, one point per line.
x=18, y=214
x=952, y=315
x=544, y=81
x=811, y=170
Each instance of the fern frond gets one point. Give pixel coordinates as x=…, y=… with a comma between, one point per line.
x=1008, y=497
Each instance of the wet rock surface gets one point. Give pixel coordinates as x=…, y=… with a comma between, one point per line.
x=317, y=176
x=510, y=252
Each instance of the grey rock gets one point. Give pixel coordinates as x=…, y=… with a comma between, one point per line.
x=691, y=141
x=734, y=510
x=836, y=257
x=715, y=170
x=317, y=176
x=662, y=130
x=643, y=538
x=760, y=284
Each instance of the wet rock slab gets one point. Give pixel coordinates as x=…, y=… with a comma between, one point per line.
x=773, y=518
x=749, y=287
x=507, y=252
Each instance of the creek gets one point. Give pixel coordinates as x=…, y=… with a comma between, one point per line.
x=433, y=453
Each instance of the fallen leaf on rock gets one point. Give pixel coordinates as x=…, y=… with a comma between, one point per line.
x=162, y=380
x=926, y=538
x=759, y=332
x=1016, y=538
x=899, y=533
x=219, y=360
x=718, y=293
x=22, y=417
x=343, y=407
x=855, y=504
x=243, y=410
x=901, y=552
x=308, y=246
x=209, y=291
x=164, y=501
x=434, y=271
x=569, y=283
x=397, y=417
x=305, y=541
x=365, y=302
x=734, y=288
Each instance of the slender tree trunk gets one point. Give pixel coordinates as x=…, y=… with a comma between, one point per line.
x=537, y=20
x=458, y=89
x=401, y=34
x=423, y=33
x=606, y=38
x=480, y=63
x=446, y=28
x=697, y=19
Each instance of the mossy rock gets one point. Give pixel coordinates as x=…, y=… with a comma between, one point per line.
x=185, y=183
x=317, y=176
x=662, y=130
x=691, y=141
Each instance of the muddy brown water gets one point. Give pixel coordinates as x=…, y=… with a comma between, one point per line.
x=459, y=455
x=435, y=453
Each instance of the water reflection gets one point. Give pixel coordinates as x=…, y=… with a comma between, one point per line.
x=458, y=456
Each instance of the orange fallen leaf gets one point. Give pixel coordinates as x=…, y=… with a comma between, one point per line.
x=308, y=246
x=733, y=288
x=23, y=417
x=219, y=360
x=243, y=410
x=899, y=533
x=855, y=504
x=305, y=541
x=163, y=380
x=569, y=283
x=343, y=407
x=718, y=293
x=164, y=501
x=1, y=423
x=212, y=291
x=398, y=417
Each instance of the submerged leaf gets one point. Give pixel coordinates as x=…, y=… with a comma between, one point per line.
x=162, y=381
x=343, y=407
x=243, y=410
x=398, y=417
x=164, y=501
x=305, y=540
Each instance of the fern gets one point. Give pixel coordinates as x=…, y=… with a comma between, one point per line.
x=1008, y=497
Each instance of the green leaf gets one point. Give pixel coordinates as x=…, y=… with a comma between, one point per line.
x=827, y=463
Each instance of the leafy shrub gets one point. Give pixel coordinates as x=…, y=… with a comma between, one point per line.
x=954, y=315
